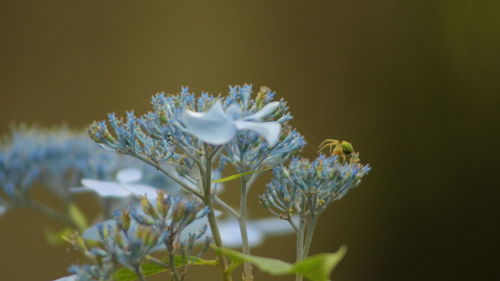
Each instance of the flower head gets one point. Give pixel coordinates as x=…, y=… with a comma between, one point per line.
x=305, y=187
x=56, y=158
x=135, y=233
x=173, y=135
x=250, y=152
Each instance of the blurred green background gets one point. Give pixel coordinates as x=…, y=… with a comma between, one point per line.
x=414, y=85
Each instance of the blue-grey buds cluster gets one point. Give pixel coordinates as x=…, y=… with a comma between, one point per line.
x=55, y=158
x=305, y=187
x=249, y=152
x=137, y=232
x=161, y=135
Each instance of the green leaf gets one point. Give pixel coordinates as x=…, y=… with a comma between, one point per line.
x=150, y=268
x=236, y=176
x=315, y=268
x=55, y=238
x=319, y=267
x=77, y=217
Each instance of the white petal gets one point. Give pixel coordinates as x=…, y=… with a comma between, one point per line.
x=269, y=130
x=218, y=213
x=81, y=189
x=233, y=111
x=273, y=226
x=3, y=209
x=229, y=231
x=213, y=126
x=73, y=277
x=265, y=111
x=231, y=236
x=129, y=175
x=106, y=188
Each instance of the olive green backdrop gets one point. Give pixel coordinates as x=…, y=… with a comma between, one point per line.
x=412, y=84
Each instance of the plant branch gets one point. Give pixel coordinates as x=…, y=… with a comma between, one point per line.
x=217, y=200
x=207, y=199
x=243, y=228
x=157, y=261
x=309, y=234
x=300, y=245
x=51, y=213
x=289, y=219
x=170, y=175
x=138, y=272
x=175, y=273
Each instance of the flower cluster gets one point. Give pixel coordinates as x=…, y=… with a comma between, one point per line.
x=158, y=137
x=56, y=158
x=134, y=234
x=247, y=151
x=305, y=187
x=186, y=140
x=176, y=131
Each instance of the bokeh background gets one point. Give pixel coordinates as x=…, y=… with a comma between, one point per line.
x=412, y=84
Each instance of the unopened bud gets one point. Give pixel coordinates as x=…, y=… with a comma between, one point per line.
x=179, y=211
x=125, y=220
x=261, y=96
x=147, y=208
x=162, y=203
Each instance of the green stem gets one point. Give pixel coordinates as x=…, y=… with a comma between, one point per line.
x=170, y=175
x=175, y=273
x=300, y=245
x=207, y=199
x=138, y=272
x=309, y=235
x=242, y=220
x=157, y=261
x=219, y=202
x=51, y=213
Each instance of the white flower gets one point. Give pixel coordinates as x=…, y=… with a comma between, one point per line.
x=68, y=278
x=217, y=126
x=3, y=207
x=124, y=186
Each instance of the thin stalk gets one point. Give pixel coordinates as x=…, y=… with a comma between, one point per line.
x=309, y=235
x=138, y=272
x=51, y=213
x=207, y=199
x=157, y=261
x=170, y=175
x=175, y=273
x=289, y=219
x=300, y=245
x=225, y=206
x=242, y=221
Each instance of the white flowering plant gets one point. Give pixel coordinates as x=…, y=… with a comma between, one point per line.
x=159, y=179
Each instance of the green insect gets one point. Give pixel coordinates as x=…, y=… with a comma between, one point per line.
x=336, y=147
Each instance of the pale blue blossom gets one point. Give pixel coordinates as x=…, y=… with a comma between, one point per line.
x=218, y=126
x=73, y=277
x=309, y=187
x=55, y=158
x=126, y=184
x=134, y=234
